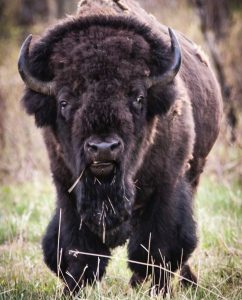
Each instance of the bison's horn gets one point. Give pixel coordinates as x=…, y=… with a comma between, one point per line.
x=46, y=88
x=170, y=74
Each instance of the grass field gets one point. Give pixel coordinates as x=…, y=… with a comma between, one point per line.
x=26, y=208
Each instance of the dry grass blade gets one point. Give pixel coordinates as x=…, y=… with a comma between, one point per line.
x=104, y=231
x=77, y=283
x=76, y=182
x=75, y=252
x=110, y=202
x=59, y=254
x=5, y=292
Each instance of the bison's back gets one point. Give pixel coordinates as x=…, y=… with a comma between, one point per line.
x=206, y=100
x=205, y=96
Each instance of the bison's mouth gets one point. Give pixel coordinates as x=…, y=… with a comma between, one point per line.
x=102, y=169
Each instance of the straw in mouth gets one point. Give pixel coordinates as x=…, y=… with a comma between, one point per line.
x=76, y=182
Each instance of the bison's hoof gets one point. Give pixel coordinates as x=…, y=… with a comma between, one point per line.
x=136, y=280
x=164, y=291
x=188, y=277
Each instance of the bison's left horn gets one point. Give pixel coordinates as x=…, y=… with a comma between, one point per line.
x=46, y=88
x=170, y=74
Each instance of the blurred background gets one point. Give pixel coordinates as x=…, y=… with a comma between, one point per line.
x=27, y=195
x=215, y=25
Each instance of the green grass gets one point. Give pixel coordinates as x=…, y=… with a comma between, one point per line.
x=24, y=213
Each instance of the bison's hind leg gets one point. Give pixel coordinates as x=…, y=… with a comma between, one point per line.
x=136, y=280
x=188, y=278
x=165, y=236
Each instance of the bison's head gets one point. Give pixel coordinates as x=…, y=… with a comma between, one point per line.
x=99, y=83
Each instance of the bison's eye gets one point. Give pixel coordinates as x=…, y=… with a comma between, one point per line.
x=138, y=102
x=64, y=109
x=63, y=104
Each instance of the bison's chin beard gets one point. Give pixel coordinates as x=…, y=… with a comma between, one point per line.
x=105, y=207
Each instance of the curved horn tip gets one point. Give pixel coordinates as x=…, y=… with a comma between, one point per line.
x=173, y=37
x=24, y=52
x=175, y=47
x=28, y=38
x=170, y=74
x=26, y=44
x=171, y=32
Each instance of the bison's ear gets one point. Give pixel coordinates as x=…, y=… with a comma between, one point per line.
x=41, y=106
x=160, y=100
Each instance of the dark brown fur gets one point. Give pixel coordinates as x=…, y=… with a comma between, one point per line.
x=99, y=64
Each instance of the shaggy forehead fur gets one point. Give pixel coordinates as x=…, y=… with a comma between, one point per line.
x=97, y=53
x=97, y=46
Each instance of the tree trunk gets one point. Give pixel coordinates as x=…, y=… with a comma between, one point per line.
x=215, y=20
x=2, y=114
x=2, y=136
x=60, y=8
x=31, y=11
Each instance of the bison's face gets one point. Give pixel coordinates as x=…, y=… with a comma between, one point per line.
x=101, y=107
x=102, y=132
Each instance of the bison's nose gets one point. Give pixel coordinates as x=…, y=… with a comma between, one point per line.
x=104, y=147
x=103, y=154
x=104, y=150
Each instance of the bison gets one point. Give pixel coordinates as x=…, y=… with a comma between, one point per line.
x=129, y=110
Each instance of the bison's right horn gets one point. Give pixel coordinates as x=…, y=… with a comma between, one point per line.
x=170, y=74
x=46, y=88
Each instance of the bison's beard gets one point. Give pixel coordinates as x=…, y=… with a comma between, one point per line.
x=106, y=207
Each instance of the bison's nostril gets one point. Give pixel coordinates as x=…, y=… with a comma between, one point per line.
x=103, y=146
x=115, y=145
x=92, y=147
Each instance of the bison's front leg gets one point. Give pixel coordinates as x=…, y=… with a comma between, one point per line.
x=83, y=269
x=163, y=237
x=64, y=246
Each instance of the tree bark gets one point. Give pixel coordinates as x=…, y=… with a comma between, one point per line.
x=30, y=11
x=2, y=114
x=60, y=8
x=215, y=20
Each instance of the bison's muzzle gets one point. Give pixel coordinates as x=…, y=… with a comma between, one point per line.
x=102, y=169
x=103, y=154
